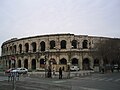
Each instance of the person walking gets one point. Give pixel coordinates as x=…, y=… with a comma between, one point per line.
x=54, y=71
x=49, y=73
x=60, y=73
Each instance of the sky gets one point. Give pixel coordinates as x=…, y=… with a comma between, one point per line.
x=24, y=18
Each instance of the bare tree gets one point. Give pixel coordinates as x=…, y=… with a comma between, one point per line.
x=108, y=51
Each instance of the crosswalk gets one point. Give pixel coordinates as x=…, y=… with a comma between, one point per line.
x=102, y=79
x=3, y=78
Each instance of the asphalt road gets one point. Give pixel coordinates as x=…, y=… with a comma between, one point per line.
x=107, y=81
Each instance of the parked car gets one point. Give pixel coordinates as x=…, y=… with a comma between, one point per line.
x=116, y=67
x=20, y=70
x=74, y=68
x=9, y=70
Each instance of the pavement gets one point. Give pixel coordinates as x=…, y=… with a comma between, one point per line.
x=65, y=74
x=5, y=85
x=95, y=81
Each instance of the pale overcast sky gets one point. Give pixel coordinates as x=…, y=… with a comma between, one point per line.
x=23, y=18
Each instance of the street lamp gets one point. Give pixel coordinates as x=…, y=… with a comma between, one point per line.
x=46, y=61
x=48, y=64
x=68, y=69
x=45, y=66
x=69, y=62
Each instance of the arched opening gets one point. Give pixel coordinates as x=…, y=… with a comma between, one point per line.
x=33, y=64
x=42, y=45
x=96, y=62
x=74, y=61
x=9, y=63
x=86, y=64
x=63, y=61
x=52, y=44
x=10, y=49
x=20, y=48
x=14, y=47
x=63, y=44
x=85, y=44
x=19, y=63
x=13, y=62
x=7, y=49
x=42, y=63
x=3, y=50
x=74, y=44
x=96, y=65
x=54, y=61
x=26, y=47
x=34, y=46
x=26, y=63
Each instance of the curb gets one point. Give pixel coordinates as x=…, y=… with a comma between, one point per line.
x=65, y=74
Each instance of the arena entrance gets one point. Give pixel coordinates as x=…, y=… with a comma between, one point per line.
x=26, y=63
x=96, y=65
x=33, y=64
x=42, y=63
x=63, y=64
x=74, y=61
x=86, y=64
x=19, y=63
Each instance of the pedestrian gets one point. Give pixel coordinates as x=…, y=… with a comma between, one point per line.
x=53, y=71
x=118, y=69
x=60, y=73
x=49, y=72
x=63, y=68
x=17, y=75
x=68, y=70
x=112, y=69
x=103, y=69
x=9, y=77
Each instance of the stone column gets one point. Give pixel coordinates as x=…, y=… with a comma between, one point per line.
x=29, y=62
x=16, y=62
x=38, y=63
x=37, y=46
x=17, y=48
x=22, y=62
x=91, y=63
x=30, y=47
x=80, y=62
x=23, y=46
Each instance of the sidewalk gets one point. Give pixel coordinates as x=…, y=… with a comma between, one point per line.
x=65, y=74
x=2, y=73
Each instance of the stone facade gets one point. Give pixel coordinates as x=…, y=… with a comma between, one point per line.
x=55, y=50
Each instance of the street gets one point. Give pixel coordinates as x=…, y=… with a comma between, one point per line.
x=96, y=81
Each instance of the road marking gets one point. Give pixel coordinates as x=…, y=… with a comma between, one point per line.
x=109, y=79
x=101, y=79
x=59, y=81
x=86, y=88
x=117, y=80
x=3, y=78
x=94, y=78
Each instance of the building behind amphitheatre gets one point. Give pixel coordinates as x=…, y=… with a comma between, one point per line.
x=54, y=50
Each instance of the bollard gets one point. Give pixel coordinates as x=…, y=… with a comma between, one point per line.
x=14, y=87
x=13, y=76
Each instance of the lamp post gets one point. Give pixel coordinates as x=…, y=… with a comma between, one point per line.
x=13, y=61
x=46, y=61
x=47, y=65
x=68, y=70
x=69, y=62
